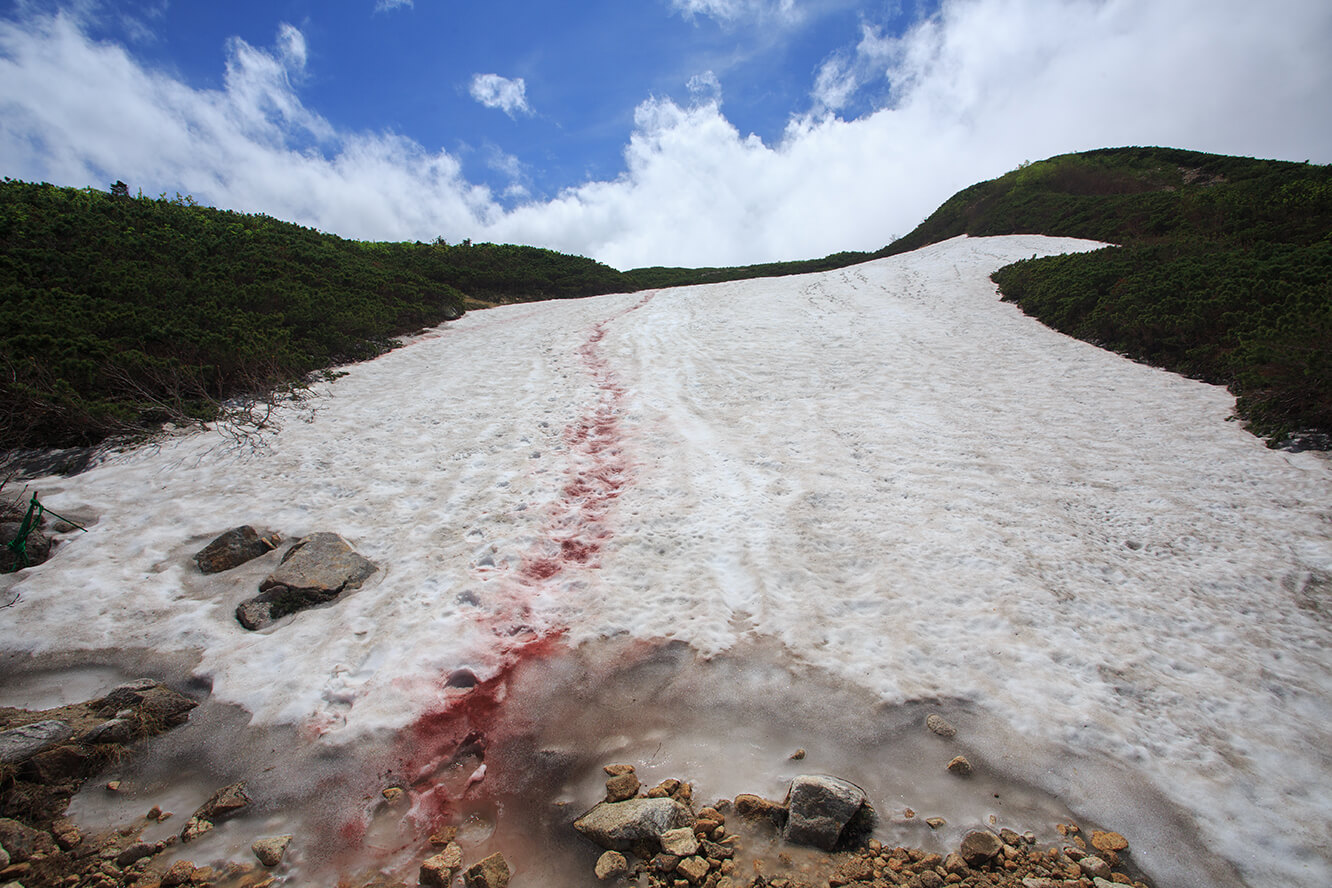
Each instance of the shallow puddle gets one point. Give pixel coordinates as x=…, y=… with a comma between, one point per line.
x=513, y=761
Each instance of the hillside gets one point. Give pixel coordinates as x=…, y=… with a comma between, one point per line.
x=694, y=531
x=1223, y=273
x=121, y=313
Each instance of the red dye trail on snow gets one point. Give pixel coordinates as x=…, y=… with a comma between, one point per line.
x=439, y=753
x=454, y=736
x=598, y=472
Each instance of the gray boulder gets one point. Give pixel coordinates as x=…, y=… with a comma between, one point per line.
x=234, y=548
x=316, y=570
x=22, y=743
x=619, y=826
x=825, y=811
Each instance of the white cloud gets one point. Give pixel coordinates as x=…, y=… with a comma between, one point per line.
x=970, y=93
x=507, y=94
x=386, y=5
x=728, y=11
x=705, y=87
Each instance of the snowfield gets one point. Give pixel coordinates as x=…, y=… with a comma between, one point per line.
x=882, y=479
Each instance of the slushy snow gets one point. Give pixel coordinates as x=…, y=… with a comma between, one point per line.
x=885, y=470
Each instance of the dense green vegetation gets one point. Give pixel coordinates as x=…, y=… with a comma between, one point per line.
x=121, y=313
x=659, y=276
x=1223, y=273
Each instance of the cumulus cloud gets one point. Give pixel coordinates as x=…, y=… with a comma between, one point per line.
x=506, y=94
x=966, y=94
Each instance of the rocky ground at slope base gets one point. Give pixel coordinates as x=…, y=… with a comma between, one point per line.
x=653, y=837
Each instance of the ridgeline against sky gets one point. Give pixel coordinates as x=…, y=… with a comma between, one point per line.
x=674, y=132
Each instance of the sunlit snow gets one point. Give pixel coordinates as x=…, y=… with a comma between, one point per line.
x=883, y=477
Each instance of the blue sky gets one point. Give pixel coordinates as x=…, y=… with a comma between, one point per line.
x=652, y=132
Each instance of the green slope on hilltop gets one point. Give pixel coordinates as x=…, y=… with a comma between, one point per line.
x=1223, y=269
x=121, y=313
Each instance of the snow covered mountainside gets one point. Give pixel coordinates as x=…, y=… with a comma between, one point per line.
x=881, y=479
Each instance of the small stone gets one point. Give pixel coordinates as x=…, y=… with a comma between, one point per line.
x=438, y=871
x=954, y=864
x=195, y=828
x=443, y=836
x=959, y=766
x=135, y=852
x=979, y=846
x=680, y=842
x=715, y=851
x=1034, y=882
x=1093, y=867
x=270, y=851
x=929, y=879
x=181, y=871
x=693, y=869
x=493, y=872
x=113, y=786
x=939, y=725
x=665, y=863
x=935, y=822
x=393, y=794
x=622, y=787
x=797, y=755
x=1108, y=841
x=1104, y=883
x=154, y=814
x=610, y=865
x=758, y=808
x=615, y=770
x=4, y=857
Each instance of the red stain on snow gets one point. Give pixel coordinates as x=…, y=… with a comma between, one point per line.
x=440, y=751
x=599, y=469
x=445, y=745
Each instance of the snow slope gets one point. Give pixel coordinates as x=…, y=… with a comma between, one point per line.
x=883, y=470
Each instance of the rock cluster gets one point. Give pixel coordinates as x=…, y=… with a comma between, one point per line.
x=983, y=860
x=48, y=756
x=314, y=571
x=659, y=840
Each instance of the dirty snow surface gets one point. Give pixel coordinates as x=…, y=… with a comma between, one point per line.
x=884, y=473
